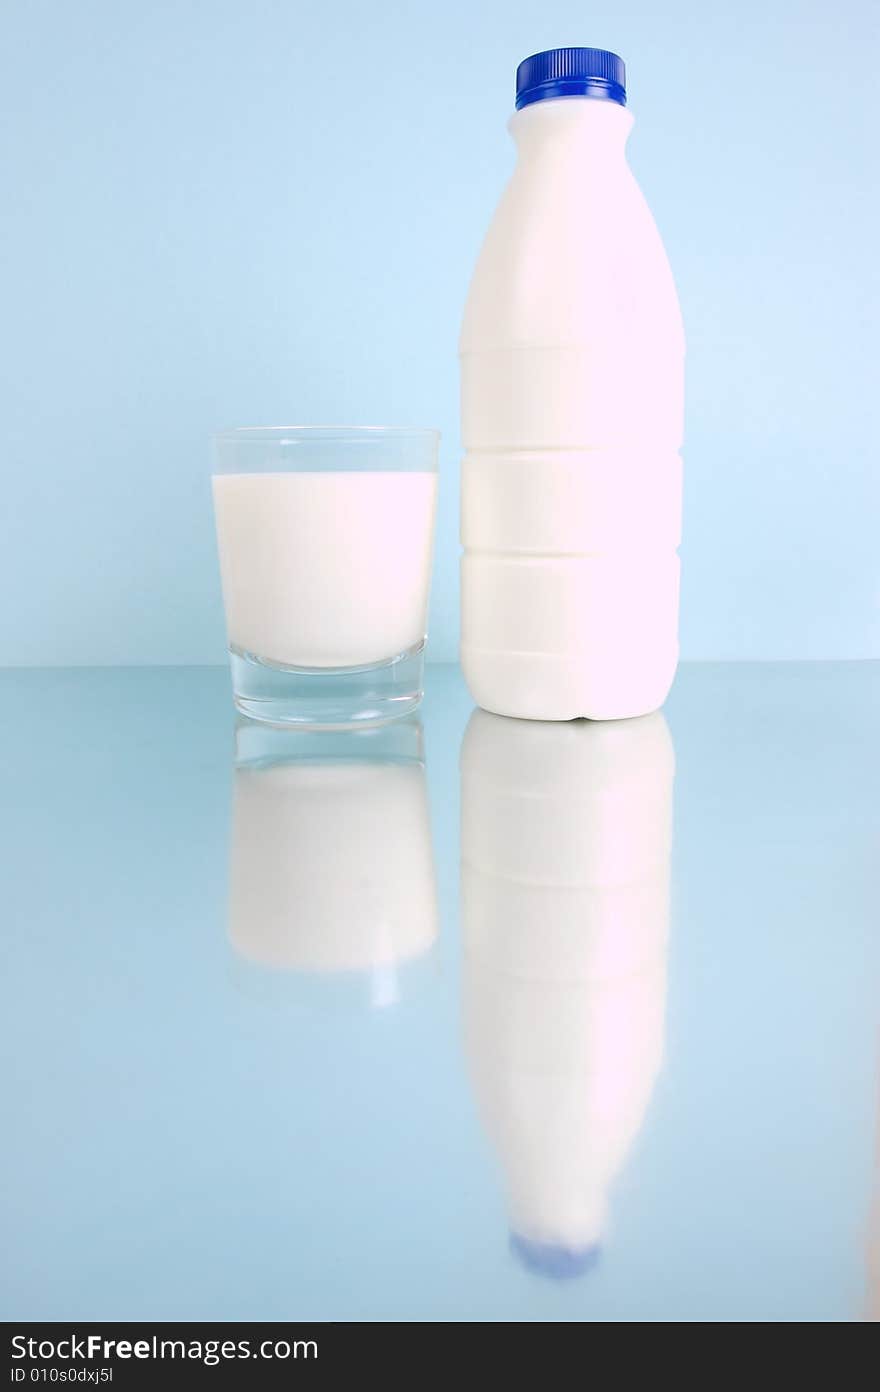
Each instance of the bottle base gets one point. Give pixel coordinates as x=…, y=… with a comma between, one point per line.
x=327, y=698
x=544, y=686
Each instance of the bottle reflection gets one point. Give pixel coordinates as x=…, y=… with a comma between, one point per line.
x=566, y=838
x=331, y=865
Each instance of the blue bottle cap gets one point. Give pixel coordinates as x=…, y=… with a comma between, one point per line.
x=571, y=72
x=552, y=1259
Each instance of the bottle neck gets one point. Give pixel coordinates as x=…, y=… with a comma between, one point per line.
x=589, y=125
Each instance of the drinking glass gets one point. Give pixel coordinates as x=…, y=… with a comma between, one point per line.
x=325, y=535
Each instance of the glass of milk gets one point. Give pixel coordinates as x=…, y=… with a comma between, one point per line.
x=325, y=535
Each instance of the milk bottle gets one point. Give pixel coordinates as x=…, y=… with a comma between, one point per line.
x=572, y=356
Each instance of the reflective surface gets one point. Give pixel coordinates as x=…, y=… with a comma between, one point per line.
x=470, y=1019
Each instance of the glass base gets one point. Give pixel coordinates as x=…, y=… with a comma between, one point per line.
x=327, y=698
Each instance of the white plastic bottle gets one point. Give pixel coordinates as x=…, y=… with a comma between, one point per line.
x=572, y=369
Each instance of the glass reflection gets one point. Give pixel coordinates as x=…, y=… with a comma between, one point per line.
x=566, y=839
x=331, y=864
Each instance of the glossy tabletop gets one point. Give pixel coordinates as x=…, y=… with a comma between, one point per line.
x=470, y=1019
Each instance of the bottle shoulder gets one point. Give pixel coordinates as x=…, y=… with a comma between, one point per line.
x=570, y=246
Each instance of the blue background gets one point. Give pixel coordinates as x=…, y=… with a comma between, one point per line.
x=229, y=213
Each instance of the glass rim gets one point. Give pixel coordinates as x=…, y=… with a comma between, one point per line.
x=313, y=434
